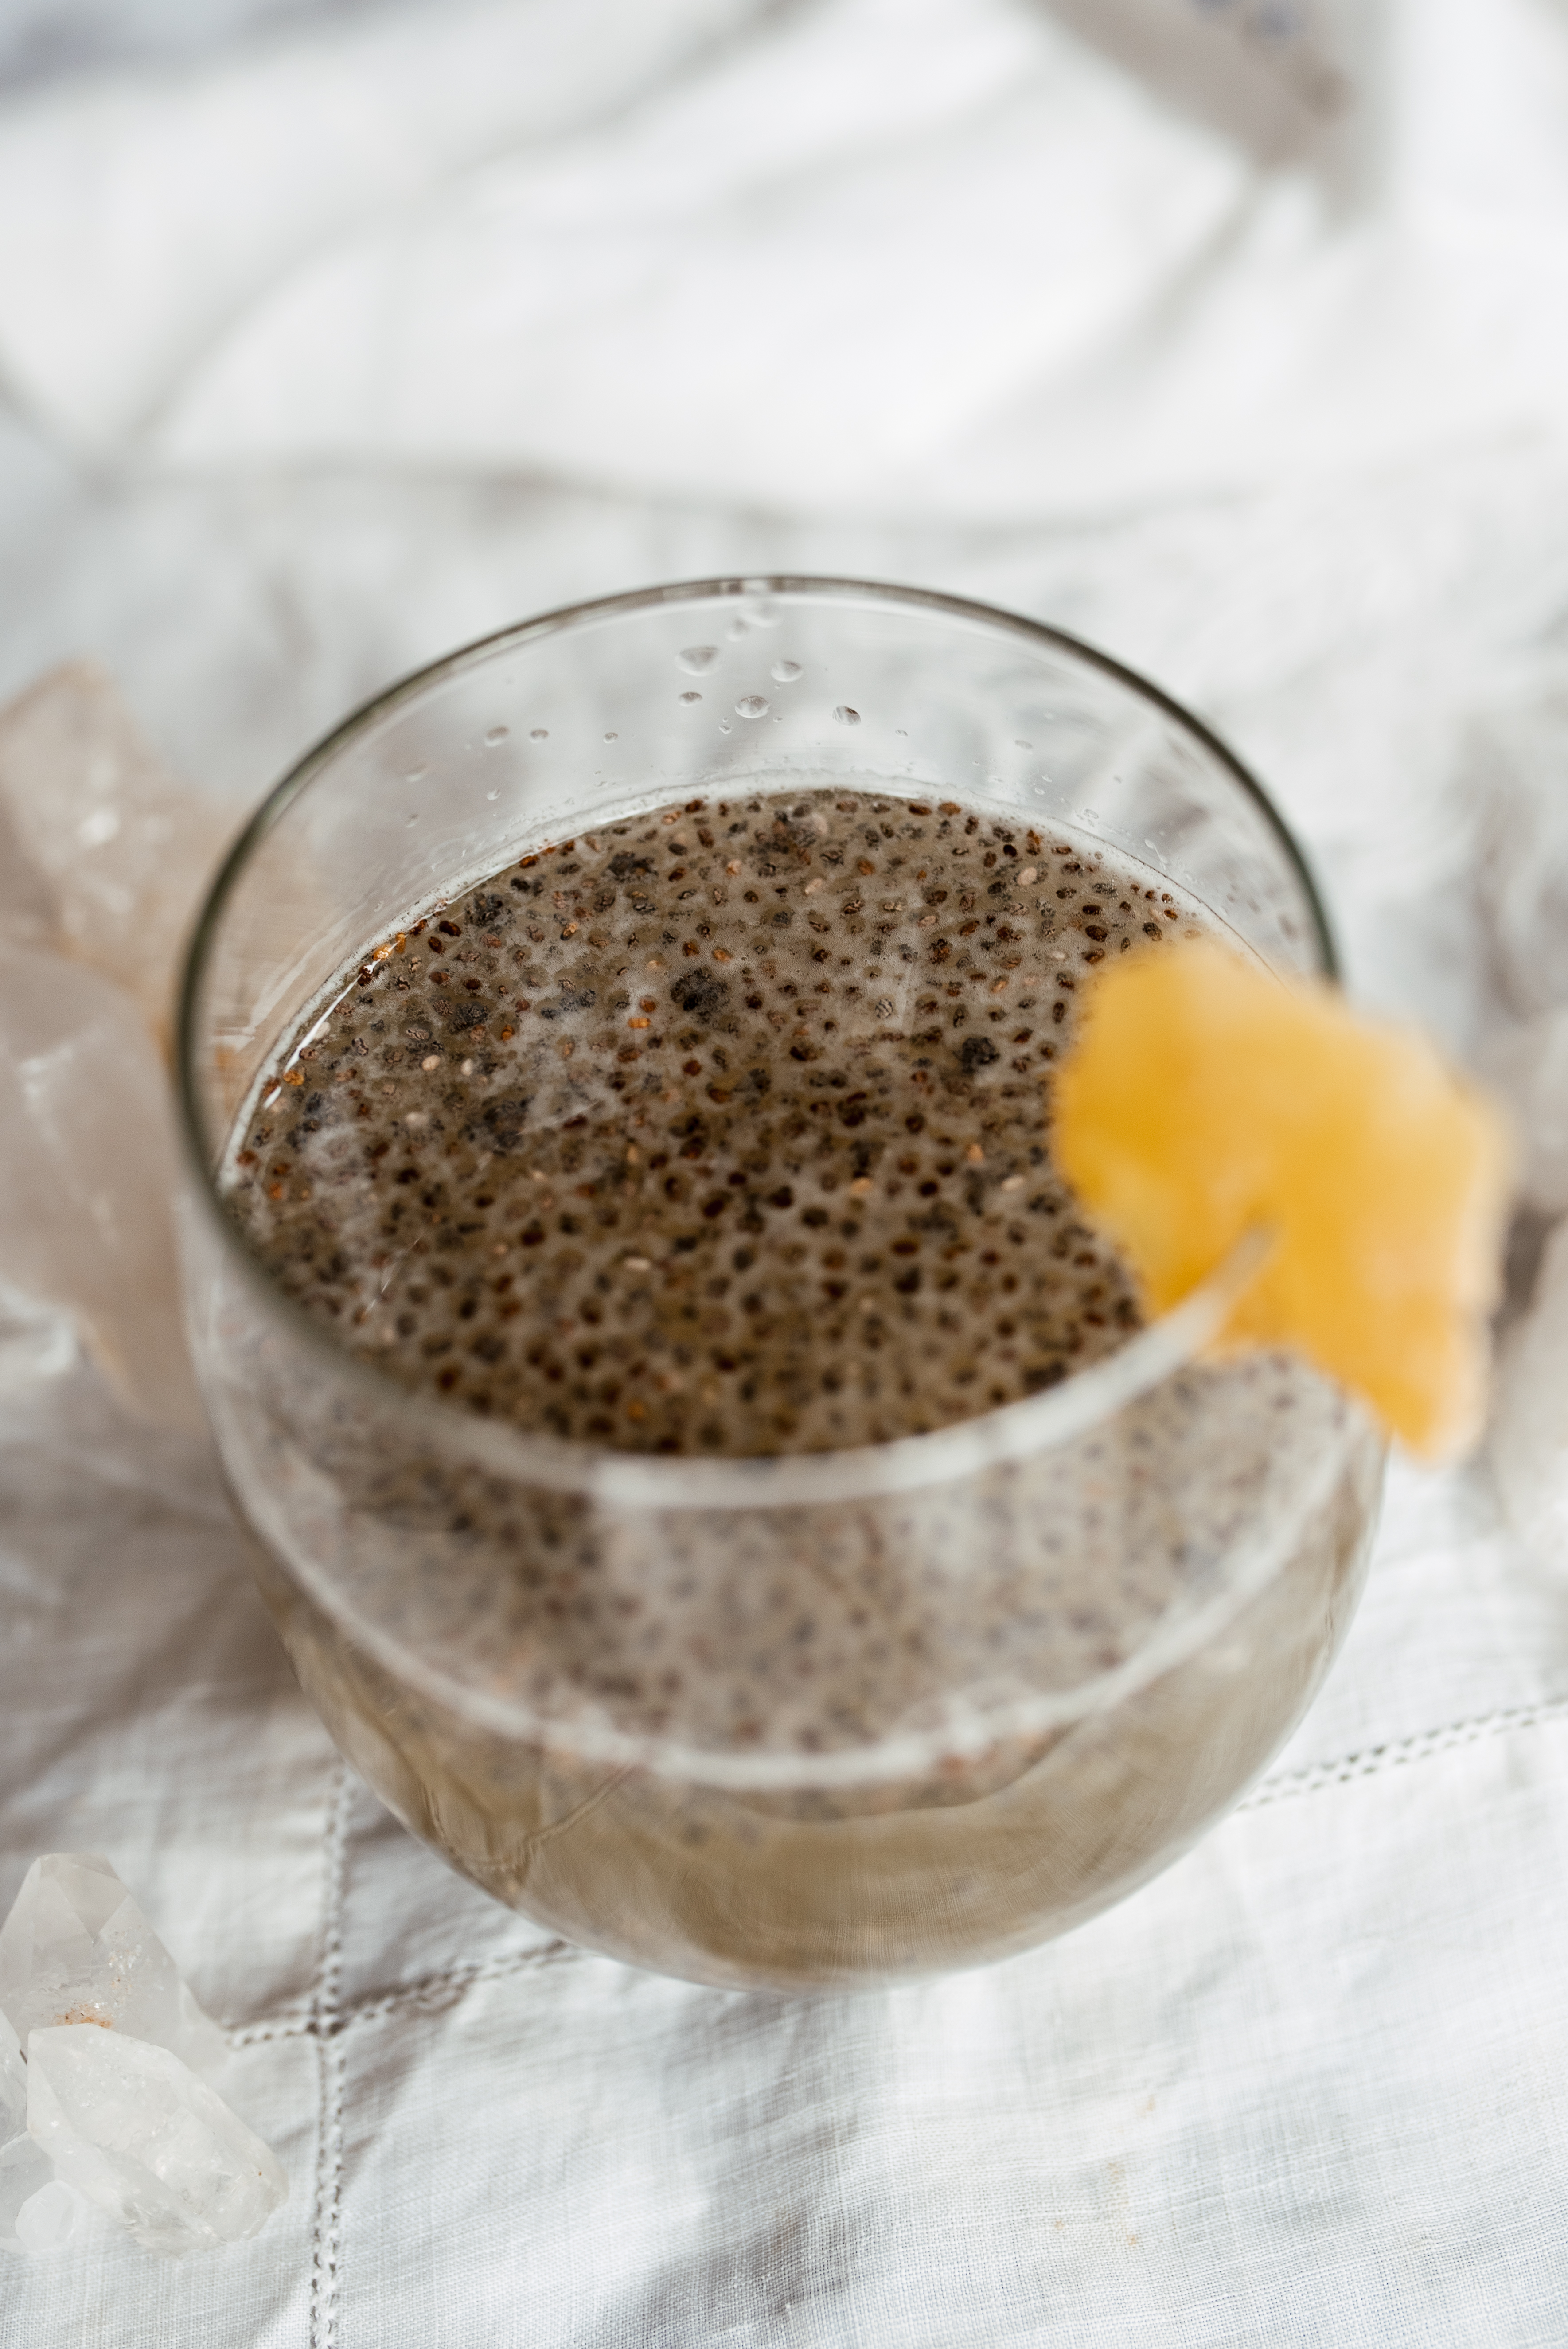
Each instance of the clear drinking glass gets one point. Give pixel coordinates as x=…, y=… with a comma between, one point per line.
x=1120, y=1593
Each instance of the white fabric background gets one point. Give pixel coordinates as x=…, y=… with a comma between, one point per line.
x=358, y=331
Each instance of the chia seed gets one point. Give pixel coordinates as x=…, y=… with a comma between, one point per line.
x=668, y=1060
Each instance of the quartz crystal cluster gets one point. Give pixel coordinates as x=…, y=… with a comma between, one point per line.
x=103, y=857
x=104, y=2078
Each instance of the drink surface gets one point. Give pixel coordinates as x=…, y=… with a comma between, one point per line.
x=718, y=1130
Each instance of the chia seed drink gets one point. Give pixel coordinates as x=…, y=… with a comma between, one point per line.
x=721, y=1131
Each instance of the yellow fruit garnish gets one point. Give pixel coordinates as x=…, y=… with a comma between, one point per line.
x=1205, y=1100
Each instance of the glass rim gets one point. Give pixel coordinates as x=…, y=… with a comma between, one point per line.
x=1078, y=1402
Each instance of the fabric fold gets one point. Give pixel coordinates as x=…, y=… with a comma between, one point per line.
x=951, y=257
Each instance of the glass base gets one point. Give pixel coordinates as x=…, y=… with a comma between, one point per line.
x=832, y=1891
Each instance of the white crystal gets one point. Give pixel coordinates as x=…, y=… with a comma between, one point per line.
x=48, y=2216
x=1530, y=1413
x=104, y=855
x=1529, y=1066
x=89, y=1166
x=109, y=853
x=13, y=2085
x=133, y=2128
x=37, y=2209
x=75, y=1949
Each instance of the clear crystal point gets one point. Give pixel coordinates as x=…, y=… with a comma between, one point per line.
x=133, y=2128
x=103, y=852
x=37, y=2209
x=75, y=1949
x=13, y=2085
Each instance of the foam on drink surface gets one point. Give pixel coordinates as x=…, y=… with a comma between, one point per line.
x=721, y=1128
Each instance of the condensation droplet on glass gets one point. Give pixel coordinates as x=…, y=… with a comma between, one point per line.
x=493, y=796
x=416, y=774
x=1019, y=744
x=696, y=659
x=763, y=616
x=497, y=734
x=846, y=716
x=737, y=628
x=612, y=736
x=690, y=695
x=752, y=705
x=785, y=672
x=410, y=819
x=539, y=734
x=724, y=726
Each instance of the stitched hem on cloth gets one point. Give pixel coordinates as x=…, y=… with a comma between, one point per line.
x=1280, y=1786
x=324, y=2005
x=429, y=1994
x=325, y=2017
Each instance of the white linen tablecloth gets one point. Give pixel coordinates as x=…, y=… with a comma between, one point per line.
x=495, y=352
